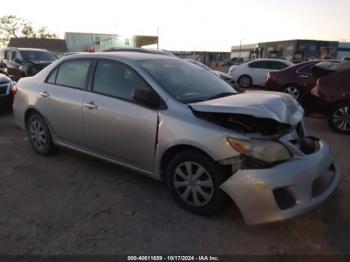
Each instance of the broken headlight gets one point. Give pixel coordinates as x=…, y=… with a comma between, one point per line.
x=264, y=150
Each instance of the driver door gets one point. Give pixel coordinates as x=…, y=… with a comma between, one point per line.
x=115, y=125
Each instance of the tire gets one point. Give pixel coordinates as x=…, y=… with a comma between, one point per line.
x=339, y=118
x=245, y=81
x=293, y=90
x=39, y=136
x=201, y=196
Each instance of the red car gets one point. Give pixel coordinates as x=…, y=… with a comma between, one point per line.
x=296, y=80
x=333, y=91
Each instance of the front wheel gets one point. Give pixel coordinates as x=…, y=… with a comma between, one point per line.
x=339, y=118
x=193, y=180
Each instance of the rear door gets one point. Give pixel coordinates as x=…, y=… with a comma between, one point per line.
x=258, y=71
x=61, y=100
x=115, y=125
x=305, y=77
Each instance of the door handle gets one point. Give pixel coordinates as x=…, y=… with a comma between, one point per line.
x=44, y=94
x=90, y=105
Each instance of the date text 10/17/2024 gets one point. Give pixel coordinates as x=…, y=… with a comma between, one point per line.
x=173, y=258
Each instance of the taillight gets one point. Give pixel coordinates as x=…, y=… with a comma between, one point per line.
x=14, y=90
x=270, y=77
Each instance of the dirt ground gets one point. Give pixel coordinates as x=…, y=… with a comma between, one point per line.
x=73, y=204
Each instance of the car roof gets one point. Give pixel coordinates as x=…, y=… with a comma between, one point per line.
x=30, y=49
x=137, y=49
x=131, y=56
x=269, y=59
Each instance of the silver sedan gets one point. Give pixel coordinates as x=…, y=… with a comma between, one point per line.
x=178, y=123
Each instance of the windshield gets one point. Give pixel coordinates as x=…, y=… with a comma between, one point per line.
x=185, y=81
x=37, y=56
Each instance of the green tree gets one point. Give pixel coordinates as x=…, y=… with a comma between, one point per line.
x=13, y=26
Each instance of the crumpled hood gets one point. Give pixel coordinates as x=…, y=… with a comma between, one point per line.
x=261, y=104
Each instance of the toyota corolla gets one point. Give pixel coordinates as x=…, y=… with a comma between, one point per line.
x=175, y=122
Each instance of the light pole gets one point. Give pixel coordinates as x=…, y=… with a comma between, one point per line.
x=240, y=47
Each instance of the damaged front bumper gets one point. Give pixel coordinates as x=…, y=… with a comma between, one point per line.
x=285, y=190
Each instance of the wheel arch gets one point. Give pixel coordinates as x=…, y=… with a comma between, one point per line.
x=30, y=111
x=172, y=151
x=290, y=84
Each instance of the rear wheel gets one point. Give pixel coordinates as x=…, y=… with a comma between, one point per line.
x=339, y=118
x=193, y=180
x=245, y=81
x=39, y=135
x=293, y=91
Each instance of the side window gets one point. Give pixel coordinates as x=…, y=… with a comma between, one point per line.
x=8, y=55
x=73, y=73
x=277, y=65
x=52, y=77
x=306, y=70
x=13, y=56
x=117, y=80
x=258, y=64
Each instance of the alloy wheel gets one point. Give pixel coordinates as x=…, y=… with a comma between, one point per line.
x=38, y=135
x=293, y=91
x=193, y=184
x=341, y=118
x=244, y=81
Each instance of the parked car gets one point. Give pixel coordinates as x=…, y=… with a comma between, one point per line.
x=346, y=58
x=222, y=75
x=6, y=92
x=22, y=62
x=333, y=91
x=233, y=61
x=255, y=72
x=296, y=80
x=172, y=121
x=140, y=50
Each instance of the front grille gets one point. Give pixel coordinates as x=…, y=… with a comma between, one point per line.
x=321, y=183
x=4, y=89
x=284, y=198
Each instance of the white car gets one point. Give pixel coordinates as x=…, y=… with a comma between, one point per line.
x=255, y=72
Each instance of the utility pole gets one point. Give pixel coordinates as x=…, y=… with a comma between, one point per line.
x=240, y=47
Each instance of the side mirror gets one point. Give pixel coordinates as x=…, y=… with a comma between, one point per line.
x=18, y=61
x=146, y=97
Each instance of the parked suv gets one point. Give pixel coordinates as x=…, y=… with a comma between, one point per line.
x=22, y=62
x=175, y=122
x=333, y=91
x=6, y=92
x=255, y=72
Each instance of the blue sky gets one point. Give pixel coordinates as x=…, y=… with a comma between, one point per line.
x=193, y=24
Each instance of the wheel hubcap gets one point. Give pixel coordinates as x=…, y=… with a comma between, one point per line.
x=293, y=91
x=193, y=184
x=244, y=82
x=341, y=118
x=37, y=135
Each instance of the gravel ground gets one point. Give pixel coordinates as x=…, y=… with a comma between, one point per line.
x=73, y=204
